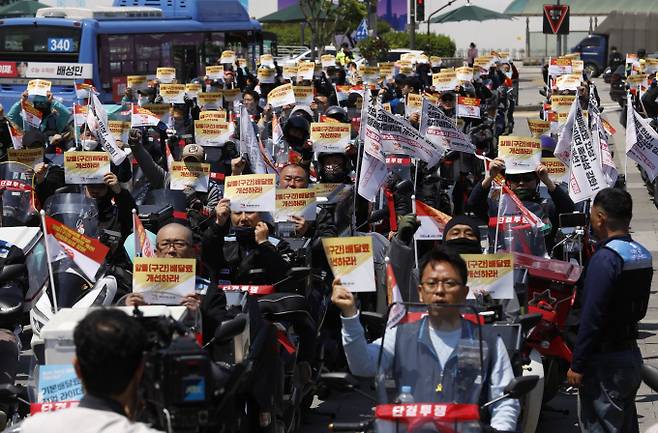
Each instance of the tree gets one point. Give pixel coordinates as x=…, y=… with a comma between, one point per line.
x=286, y=34
x=325, y=19
x=433, y=45
x=373, y=49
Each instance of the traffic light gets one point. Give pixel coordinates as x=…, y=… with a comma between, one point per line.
x=420, y=10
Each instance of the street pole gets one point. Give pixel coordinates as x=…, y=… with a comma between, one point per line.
x=412, y=24
x=559, y=41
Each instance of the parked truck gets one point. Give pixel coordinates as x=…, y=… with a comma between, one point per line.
x=627, y=31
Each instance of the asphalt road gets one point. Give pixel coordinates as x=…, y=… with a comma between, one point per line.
x=561, y=414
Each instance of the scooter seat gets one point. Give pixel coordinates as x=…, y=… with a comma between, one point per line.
x=8, y=392
x=10, y=306
x=282, y=306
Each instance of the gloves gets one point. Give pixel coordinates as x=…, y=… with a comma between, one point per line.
x=407, y=226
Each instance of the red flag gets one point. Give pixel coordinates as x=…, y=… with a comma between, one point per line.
x=87, y=253
x=143, y=245
x=432, y=221
x=397, y=311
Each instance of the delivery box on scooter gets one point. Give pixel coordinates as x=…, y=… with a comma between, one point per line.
x=58, y=332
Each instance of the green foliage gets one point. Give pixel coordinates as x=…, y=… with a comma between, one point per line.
x=349, y=15
x=287, y=34
x=432, y=45
x=383, y=27
x=373, y=49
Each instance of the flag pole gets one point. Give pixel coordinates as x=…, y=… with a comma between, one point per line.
x=50, y=265
x=413, y=210
x=138, y=252
x=500, y=206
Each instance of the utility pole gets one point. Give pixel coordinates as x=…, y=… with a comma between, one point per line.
x=559, y=40
x=412, y=24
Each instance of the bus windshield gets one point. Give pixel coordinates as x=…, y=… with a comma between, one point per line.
x=40, y=43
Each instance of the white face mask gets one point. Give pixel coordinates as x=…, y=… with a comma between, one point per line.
x=89, y=144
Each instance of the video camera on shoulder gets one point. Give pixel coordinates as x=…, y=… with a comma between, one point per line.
x=178, y=385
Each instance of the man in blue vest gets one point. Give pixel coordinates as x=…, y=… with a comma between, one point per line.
x=432, y=355
x=606, y=361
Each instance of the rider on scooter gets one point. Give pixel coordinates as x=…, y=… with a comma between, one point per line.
x=443, y=281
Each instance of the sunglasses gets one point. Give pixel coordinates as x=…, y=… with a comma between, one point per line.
x=525, y=177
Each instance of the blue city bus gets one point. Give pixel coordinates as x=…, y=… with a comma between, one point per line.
x=133, y=37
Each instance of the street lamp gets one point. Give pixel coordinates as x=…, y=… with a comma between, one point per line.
x=436, y=12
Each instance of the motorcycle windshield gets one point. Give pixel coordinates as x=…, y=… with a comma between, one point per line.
x=514, y=233
x=16, y=193
x=430, y=369
x=76, y=210
x=166, y=196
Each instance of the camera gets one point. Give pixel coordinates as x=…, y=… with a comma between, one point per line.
x=178, y=386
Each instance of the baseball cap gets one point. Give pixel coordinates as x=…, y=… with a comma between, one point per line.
x=193, y=151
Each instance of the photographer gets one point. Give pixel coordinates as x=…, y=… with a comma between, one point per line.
x=109, y=349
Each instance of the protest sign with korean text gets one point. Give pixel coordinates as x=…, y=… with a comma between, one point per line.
x=299, y=202
x=30, y=156
x=228, y=56
x=490, y=273
x=464, y=73
x=192, y=90
x=212, y=132
x=557, y=171
x=230, y=95
x=562, y=103
x=538, y=127
x=137, y=82
x=328, y=60
x=266, y=75
x=281, y=95
x=190, y=174
x=38, y=87
x=120, y=129
x=414, y=104
x=164, y=281
x=559, y=66
x=305, y=71
x=209, y=100
x=165, y=75
x=85, y=167
x=215, y=72
x=351, y=261
x=304, y=94
x=251, y=192
x=57, y=383
x=330, y=137
x=172, y=93
x=468, y=107
x=521, y=154
x=289, y=72
x=267, y=60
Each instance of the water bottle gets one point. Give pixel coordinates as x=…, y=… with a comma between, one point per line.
x=405, y=395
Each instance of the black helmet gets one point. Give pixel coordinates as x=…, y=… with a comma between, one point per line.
x=337, y=113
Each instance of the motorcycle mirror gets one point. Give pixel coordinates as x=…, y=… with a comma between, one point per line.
x=230, y=328
x=256, y=272
x=404, y=186
x=542, y=92
x=527, y=321
x=339, y=381
x=298, y=272
x=520, y=386
x=650, y=376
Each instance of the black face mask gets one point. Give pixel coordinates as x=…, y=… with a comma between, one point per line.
x=526, y=194
x=464, y=246
x=295, y=142
x=245, y=235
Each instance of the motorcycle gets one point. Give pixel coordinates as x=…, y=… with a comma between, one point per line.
x=409, y=400
x=74, y=288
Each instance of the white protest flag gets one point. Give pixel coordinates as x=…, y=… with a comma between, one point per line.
x=97, y=121
x=260, y=161
x=586, y=175
x=432, y=222
x=87, y=253
x=16, y=136
x=565, y=135
x=441, y=129
x=31, y=116
x=641, y=142
x=600, y=142
x=399, y=137
x=397, y=310
x=140, y=116
x=373, y=171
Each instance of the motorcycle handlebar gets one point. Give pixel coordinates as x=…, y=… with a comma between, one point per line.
x=349, y=426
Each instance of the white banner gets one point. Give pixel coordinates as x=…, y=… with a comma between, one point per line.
x=586, y=177
x=441, y=130
x=641, y=142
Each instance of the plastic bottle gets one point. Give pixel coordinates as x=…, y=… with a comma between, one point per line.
x=405, y=394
